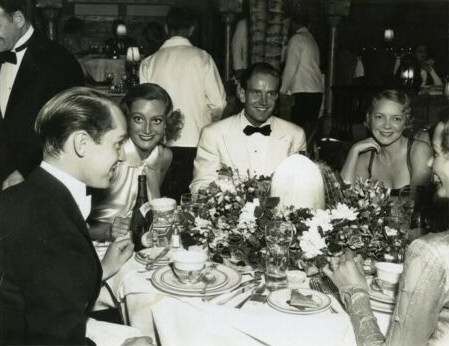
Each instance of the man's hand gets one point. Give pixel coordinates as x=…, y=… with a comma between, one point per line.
x=139, y=341
x=120, y=227
x=116, y=256
x=13, y=179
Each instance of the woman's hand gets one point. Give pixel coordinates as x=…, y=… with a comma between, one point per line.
x=346, y=271
x=120, y=227
x=116, y=255
x=365, y=145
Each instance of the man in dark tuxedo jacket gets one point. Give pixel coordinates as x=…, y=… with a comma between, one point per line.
x=32, y=70
x=50, y=275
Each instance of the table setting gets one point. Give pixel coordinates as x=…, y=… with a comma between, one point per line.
x=257, y=265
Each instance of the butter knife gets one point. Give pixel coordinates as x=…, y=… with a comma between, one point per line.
x=226, y=297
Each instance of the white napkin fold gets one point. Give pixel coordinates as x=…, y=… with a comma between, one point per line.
x=109, y=334
x=181, y=323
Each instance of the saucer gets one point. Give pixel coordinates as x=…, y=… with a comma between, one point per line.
x=146, y=256
x=379, y=296
x=226, y=278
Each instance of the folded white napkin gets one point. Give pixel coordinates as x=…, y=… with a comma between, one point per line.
x=182, y=323
x=109, y=334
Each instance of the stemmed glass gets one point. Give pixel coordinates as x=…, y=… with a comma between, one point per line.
x=192, y=204
x=278, y=237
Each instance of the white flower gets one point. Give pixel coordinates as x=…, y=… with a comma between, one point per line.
x=226, y=185
x=321, y=218
x=202, y=223
x=391, y=232
x=311, y=244
x=344, y=212
x=247, y=213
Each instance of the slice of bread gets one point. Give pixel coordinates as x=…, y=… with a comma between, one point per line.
x=300, y=300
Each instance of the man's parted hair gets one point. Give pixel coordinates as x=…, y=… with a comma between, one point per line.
x=11, y=6
x=180, y=18
x=74, y=109
x=259, y=67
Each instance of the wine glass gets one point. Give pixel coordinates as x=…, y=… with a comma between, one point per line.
x=192, y=203
x=109, y=79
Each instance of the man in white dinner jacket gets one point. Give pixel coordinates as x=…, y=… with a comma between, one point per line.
x=192, y=80
x=252, y=141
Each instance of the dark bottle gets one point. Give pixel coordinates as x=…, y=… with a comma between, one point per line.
x=140, y=219
x=418, y=224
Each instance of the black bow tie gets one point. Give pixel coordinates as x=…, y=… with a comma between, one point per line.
x=264, y=130
x=10, y=56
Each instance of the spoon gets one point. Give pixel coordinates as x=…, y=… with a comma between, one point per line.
x=208, y=278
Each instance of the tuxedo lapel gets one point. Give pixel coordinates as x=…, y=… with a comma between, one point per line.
x=236, y=146
x=278, y=146
x=25, y=78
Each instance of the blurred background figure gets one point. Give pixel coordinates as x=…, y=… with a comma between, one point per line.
x=120, y=41
x=427, y=72
x=75, y=39
x=154, y=35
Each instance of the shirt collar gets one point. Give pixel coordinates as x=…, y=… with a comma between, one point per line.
x=176, y=41
x=76, y=187
x=244, y=121
x=25, y=37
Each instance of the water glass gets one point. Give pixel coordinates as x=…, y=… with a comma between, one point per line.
x=278, y=237
x=163, y=219
x=193, y=203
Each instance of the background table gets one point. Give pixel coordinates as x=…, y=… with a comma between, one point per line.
x=98, y=68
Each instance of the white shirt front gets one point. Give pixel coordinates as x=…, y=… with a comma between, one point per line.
x=76, y=187
x=257, y=146
x=192, y=80
x=8, y=72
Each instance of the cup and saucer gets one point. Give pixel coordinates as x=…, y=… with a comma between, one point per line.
x=186, y=275
x=384, y=286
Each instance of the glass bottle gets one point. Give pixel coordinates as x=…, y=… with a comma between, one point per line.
x=141, y=216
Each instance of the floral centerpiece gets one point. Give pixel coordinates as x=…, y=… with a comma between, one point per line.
x=361, y=222
x=238, y=207
x=233, y=217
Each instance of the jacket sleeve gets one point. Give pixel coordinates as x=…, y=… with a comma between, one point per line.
x=207, y=161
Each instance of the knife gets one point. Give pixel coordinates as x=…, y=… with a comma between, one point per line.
x=226, y=297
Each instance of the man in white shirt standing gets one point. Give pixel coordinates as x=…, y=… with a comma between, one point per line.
x=253, y=141
x=32, y=70
x=192, y=80
x=302, y=75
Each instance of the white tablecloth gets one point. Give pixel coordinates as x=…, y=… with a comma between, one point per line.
x=188, y=321
x=98, y=68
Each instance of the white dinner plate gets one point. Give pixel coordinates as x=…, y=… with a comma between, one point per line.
x=145, y=256
x=278, y=300
x=227, y=278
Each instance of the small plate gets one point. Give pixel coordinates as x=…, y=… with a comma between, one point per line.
x=164, y=279
x=145, y=256
x=278, y=300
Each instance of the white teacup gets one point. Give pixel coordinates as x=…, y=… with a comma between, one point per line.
x=189, y=265
x=387, y=277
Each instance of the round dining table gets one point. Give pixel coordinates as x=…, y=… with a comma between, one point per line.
x=97, y=68
x=180, y=320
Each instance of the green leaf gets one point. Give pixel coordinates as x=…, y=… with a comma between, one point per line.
x=272, y=202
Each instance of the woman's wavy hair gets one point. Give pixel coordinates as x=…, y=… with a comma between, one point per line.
x=74, y=109
x=149, y=91
x=396, y=96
